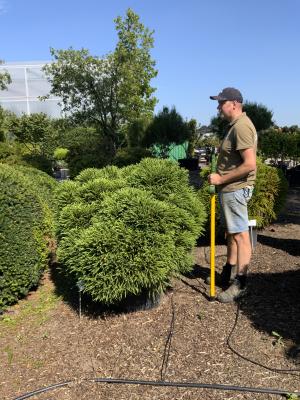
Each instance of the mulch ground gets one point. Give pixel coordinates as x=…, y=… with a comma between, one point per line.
x=43, y=341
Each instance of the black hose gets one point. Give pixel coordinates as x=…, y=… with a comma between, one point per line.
x=272, y=369
x=167, y=348
x=211, y=386
x=42, y=390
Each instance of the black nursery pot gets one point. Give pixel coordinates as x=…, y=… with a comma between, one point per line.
x=143, y=301
x=191, y=164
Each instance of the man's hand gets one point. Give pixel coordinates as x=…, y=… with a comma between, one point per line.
x=215, y=179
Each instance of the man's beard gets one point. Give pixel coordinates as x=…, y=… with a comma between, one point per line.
x=222, y=116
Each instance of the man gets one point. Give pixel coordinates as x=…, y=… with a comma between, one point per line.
x=235, y=177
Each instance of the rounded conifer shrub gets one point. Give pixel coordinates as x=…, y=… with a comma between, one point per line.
x=127, y=231
x=128, y=247
x=109, y=172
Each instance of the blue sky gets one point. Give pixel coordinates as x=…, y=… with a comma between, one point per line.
x=200, y=46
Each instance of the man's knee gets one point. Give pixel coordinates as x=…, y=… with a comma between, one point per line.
x=241, y=237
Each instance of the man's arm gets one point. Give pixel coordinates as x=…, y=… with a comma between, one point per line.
x=248, y=165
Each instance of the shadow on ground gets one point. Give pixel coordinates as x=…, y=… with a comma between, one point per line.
x=291, y=246
x=69, y=291
x=272, y=304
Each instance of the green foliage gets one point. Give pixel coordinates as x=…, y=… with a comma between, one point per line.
x=135, y=67
x=136, y=130
x=167, y=128
x=28, y=141
x=95, y=189
x=5, y=79
x=25, y=220
x=123, y=231
x=109, y=172
x=60, y=153
x=192, y=126
x=86, y=149
x=4, y=122
x=259, y=114
x=280, y=144
x=65, y=193
x=268, y=196
x=30, y=129
x=219, y=126
x=130, y=155
x=111, y=91
x=38, y=161
x=291, y=396
x=210, y=141
x=12, y=153
x=162, y=177
x=114, y=261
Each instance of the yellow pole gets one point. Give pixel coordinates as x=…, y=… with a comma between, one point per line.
x=212, y=245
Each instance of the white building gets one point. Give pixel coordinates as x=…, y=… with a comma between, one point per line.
x=28, y=83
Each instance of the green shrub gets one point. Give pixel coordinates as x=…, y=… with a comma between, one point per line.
x=130, y=155
x=269, y=195
x=11, y=153
x=75, y=217
x=39, y=161
x=60, y=153
x=109, y=172
x=24, y=222
x=125, y=231
x=167, y=182
x=114, y=261
x=44, y=185
x=161, y=177
x=14, y=153
x=66, y=193
x=94, y=190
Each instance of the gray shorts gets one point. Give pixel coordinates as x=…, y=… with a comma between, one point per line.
x=234, y=212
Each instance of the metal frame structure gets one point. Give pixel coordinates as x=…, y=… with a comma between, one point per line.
x=28, y=84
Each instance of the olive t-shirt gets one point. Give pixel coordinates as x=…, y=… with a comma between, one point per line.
x=241, y=134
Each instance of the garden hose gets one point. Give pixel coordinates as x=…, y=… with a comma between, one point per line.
x=212, y=191
x=186, y=385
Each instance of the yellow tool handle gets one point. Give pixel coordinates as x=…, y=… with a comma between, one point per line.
x=212, y=245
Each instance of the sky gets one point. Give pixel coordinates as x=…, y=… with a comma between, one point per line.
x=200, y=46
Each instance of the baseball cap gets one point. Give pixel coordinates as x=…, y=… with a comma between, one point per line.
x=230, y=94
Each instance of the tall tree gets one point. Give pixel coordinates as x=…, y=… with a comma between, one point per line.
x=192, y=126
x=166, y=129
x=110, y=91
x=260, y=115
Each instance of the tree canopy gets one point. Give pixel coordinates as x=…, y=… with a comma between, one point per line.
x=112, y=90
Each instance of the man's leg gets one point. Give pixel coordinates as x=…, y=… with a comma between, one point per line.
x=238, y=286
x=229, y=270
x=231, y=249
x=236, y=214
x=243, y=246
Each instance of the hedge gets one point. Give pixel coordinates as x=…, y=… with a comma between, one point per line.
x=25, y=222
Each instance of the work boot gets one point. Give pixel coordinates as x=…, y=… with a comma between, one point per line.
x=236, y=290
x=227, y=275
